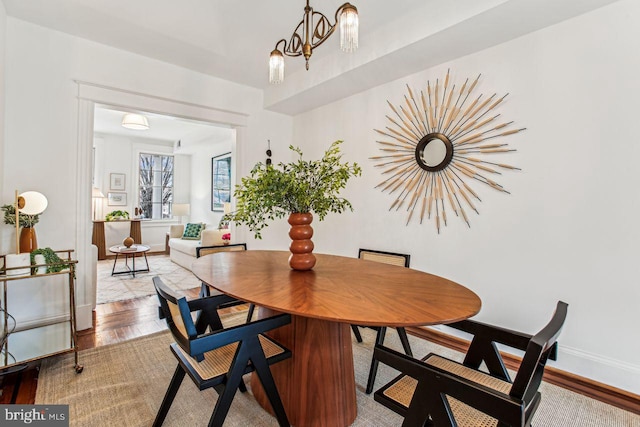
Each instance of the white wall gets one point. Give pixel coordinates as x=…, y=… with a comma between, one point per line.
x=42, y=124
x=201, y=153
x=569, y=229
x=118, y=154
x=181, y=179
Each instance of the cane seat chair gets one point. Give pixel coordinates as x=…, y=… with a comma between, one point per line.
x=217, y=357
x=392, y=258
x=205, y=290
x=441, y=392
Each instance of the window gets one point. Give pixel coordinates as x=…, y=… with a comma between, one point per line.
x=220, y=181
x=155, y=194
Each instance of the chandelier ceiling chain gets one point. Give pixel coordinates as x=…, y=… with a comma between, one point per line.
x=310, y=33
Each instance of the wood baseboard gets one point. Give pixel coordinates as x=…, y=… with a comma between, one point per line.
x=596, y=390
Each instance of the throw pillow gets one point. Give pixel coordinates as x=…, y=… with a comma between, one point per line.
x=192, y=231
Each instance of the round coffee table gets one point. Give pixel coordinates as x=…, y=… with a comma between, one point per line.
x=129, y=251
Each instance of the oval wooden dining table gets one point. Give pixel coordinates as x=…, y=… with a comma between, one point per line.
x=317, y=383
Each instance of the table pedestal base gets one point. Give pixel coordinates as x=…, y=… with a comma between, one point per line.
x=317, y=383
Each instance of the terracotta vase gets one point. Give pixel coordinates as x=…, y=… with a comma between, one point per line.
x=28, y=240
x=301, y=247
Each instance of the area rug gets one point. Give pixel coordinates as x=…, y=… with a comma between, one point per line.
x=125, y=286
x=123, y=384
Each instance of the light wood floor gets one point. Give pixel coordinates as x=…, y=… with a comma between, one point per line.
x=114, y=322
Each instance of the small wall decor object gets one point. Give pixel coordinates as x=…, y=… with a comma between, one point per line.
x=117, y=199
x=117, y=181
x=268, y=162
x=437, y=144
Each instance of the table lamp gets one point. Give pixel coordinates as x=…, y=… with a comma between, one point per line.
x=95, y=195
x=181, y=209
x=29, y=203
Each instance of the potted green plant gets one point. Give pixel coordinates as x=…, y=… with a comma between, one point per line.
x=24, y=220
x=117, y=215
x=54, y=263
x=297, y=189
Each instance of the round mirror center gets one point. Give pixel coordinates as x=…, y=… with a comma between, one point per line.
x=434, y=152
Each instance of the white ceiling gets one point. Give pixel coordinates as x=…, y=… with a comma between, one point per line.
x=108, y=120
x=232, y=39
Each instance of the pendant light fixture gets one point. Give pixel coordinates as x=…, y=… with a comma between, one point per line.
x=135, y=121
x=310, y=33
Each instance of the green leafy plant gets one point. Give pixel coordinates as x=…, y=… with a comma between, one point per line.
x=302, y=186
x=114, y=215
x=53, y=261
x=24, y=220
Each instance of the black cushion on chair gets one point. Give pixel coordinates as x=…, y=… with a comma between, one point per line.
x=216, y=357
x=449, y=393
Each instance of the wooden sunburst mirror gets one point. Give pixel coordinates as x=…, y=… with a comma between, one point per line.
x=437, y=145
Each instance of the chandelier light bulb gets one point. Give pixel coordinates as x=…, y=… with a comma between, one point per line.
x=276, y=67
x=349, y=28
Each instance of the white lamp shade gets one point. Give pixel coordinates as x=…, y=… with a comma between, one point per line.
x=34, y=203
x=96, y=193
x=135, y=121
x=181, y=209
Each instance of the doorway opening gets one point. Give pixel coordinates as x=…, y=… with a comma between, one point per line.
x=138, y=176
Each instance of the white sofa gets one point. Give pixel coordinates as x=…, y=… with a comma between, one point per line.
x=183, y=252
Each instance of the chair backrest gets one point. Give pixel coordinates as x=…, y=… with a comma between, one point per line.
x=206, y=250
x=541, y=345
x=392, y=258
x=176, y=312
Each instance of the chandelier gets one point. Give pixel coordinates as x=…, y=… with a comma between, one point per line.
x=310, y=33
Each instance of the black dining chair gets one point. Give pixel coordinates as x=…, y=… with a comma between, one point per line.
x=216, y=357
x=205, y=290
x=441, y=392
x=392, y=258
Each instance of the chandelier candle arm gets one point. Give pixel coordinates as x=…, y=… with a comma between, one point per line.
x=311, y=32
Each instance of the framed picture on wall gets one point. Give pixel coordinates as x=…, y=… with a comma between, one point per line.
x=117, y=199
x=220, y=181
x=116, y=181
